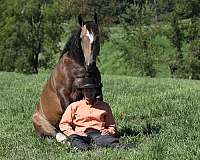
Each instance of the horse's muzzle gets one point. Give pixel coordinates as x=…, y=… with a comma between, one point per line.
x=90, y=67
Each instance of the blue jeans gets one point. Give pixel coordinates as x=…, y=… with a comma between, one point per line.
x=83, y=143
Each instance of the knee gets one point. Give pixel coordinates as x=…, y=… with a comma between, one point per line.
x=106, y=140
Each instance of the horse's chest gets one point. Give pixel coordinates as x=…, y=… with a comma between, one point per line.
x=79, y=72
x=76, y=95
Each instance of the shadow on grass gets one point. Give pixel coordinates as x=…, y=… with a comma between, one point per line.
x=146, y=130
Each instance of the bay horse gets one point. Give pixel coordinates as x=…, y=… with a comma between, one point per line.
x=78, y=60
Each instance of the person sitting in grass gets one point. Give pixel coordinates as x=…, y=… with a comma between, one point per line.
x=89, y=120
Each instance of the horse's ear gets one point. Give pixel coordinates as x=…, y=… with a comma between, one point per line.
x=80, y=20
x=95, y=18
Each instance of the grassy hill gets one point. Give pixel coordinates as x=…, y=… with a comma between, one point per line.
x=160, y=116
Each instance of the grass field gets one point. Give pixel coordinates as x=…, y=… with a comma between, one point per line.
x=160, y=116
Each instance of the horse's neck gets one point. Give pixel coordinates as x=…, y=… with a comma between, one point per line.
x=77, y=57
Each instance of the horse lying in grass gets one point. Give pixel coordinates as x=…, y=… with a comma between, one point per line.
x=78, y=60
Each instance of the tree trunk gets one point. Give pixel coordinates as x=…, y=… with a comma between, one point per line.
x=35, y=63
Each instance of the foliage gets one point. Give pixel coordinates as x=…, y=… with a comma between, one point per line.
x=105, y=9
x=29, y=28
x=141, y=52
x=176, y=35
x=112, y=60
x=193, y=59
x=187, y=65
x=33, y=32
x=187, y=9
x=141, y=32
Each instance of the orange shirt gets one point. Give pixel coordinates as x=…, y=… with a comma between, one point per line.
x=80, y=116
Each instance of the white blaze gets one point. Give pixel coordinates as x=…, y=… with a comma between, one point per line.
x=90, y=36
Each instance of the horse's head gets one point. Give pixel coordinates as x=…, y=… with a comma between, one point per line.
x=89, y=41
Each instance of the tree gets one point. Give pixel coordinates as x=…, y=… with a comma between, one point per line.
x=193, y=56
x=140, y=53
x=30, y=28
x=186, y=65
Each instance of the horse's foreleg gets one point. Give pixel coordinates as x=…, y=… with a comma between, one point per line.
x=45, y=129
x=42, y=126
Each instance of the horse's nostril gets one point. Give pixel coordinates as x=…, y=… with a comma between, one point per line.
x=88, y=68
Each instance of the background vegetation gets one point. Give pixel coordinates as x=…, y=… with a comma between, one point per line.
x=160, y=116
x=139, y=37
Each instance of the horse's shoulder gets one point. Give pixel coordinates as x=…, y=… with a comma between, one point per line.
x=66, y=60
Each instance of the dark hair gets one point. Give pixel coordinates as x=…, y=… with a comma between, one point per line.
x=74, y=44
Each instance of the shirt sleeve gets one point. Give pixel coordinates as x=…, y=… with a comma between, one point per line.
x=67, y=120
x=110, y=122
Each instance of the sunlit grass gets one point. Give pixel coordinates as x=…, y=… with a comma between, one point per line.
x=161, y=116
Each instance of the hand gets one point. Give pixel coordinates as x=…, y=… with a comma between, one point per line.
x=105, y=132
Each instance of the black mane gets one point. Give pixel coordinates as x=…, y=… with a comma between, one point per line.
x=73, y=45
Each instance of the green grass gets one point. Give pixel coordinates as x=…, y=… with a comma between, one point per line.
x=163, y=114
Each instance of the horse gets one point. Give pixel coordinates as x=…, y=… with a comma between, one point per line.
x=77, y=60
